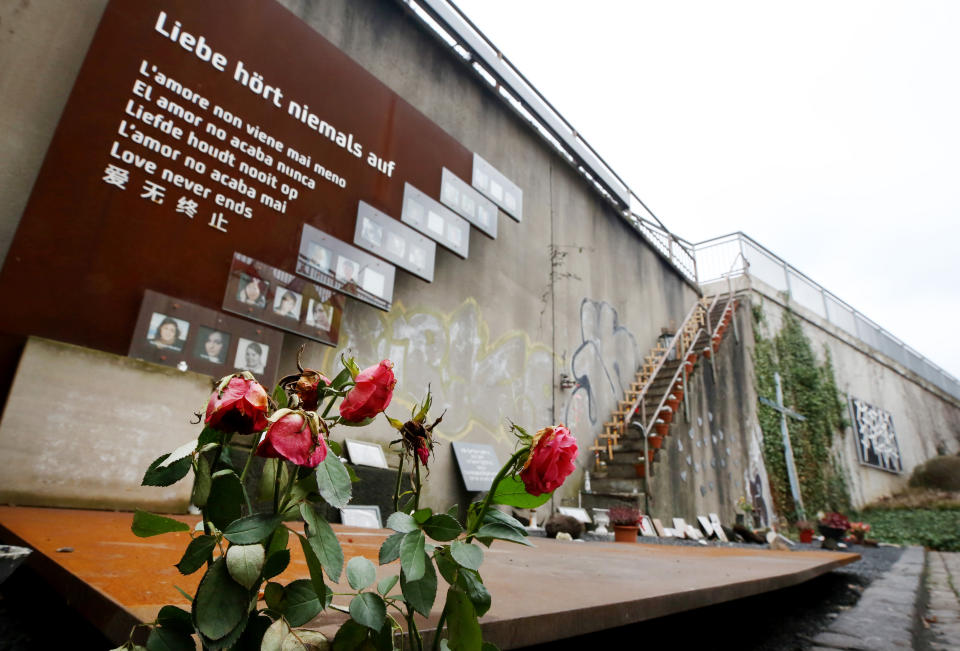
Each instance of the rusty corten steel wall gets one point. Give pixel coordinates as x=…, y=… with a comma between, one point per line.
x=86, y=250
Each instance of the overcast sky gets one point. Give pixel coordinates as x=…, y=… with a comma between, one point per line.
x=827, y=131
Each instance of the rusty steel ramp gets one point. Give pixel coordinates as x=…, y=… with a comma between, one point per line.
x=553, y=591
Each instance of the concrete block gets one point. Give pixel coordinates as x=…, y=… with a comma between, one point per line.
x=839, y=641
x=80, y=427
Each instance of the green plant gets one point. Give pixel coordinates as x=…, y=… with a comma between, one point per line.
x=939, y=473
x=935, y=529
x=624, y=516
x=242, y=551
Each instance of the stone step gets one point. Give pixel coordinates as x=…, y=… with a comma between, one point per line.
x=623, y=486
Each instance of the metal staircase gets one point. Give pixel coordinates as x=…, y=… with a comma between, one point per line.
x=626, y=451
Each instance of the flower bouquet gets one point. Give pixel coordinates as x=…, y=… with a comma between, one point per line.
x=240, y=603
x=625, y=521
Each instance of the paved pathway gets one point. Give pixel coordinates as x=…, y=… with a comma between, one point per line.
x=885, y=616
x=943, y=611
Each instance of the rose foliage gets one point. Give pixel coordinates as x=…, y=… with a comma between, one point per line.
x=241, y=542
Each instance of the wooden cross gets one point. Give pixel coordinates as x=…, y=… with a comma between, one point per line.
x=787, y=449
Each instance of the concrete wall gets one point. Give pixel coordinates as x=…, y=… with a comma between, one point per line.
x=572, y=289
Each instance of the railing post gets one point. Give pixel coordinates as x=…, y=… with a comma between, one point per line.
x=786, y=277
x=826, y=308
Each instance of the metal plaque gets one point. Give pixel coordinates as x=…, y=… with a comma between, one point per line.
x=877, y=444
x=501, y=190
x=476, y=208
x=435, y=220
x=478, y=465
x=383, y=235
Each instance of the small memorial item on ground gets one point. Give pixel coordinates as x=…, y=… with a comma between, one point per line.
x=718, y=527
x=366, y=454
x=579, y=514
x=559, y=524
x=367, y=517
x=706, y=526
x=625, y=521
x=646, y=527
x=693, y=533
x=680, y=527
x=659, y=528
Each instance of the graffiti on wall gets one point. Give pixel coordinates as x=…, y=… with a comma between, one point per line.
x=480, y=383
x=876, y=439
x=603, y=366
x=756, y=481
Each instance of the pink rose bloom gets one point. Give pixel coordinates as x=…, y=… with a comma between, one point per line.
x=372, y=393
x=308, y=388
x=552, y=459
x=241, y=407
x=291, y=438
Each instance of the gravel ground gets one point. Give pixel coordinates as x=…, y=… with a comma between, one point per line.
x=783, y=620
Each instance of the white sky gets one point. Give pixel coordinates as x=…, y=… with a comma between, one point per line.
x=827, y=131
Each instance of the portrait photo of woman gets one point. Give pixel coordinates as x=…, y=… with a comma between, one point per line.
x=167, y=333
x=319, y=314
x=287, y=303
x=211, y=345
x=251, y=356
x=252, y=291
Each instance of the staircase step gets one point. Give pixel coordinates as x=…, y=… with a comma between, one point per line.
x=601, y=500
x=622, y=487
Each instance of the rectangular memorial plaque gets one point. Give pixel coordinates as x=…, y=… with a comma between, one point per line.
x=680, y=527
x=877, y=444
x=386, y=237
x=578, y=514
x=495, y=185
x=435, y=220
x=478, y=464
x=345, y=268
x=178, y=333
x=476, y=208
x=717, y=527
x=270, y=295
x=706, y=525
x=646, y=527
x=359, y=515
x=366, y=454
x=659, y=528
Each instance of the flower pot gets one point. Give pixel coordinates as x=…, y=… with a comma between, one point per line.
x=673, y=403
x=716, y=345
x=666, y=414
x=655, y=441
x=806, y=535
x=640, y=469
x=708, y=352
x=692, y=358
x=688, y=365
x=831, y=532
x=661, y=428
x=625, y=533
x=858, y=536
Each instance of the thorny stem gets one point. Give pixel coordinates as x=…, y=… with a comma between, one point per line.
x=276, y=486
x=416, y=640
x=416, y=486
x=287, y=491
x=396, y=490
x=439, y=630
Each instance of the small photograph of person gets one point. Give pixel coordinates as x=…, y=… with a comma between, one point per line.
x=371, y=232
x=396, y=245
x=166, y=332
x=211, y=345
x=251, y=356
x=319, y=314
x=347, y=270
x=252, y=291
x=319, y=257
x=287, y=303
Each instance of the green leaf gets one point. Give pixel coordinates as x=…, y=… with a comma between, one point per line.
x=386, y=584
x=454, y=511
x=449, y=569
x=158, y=475
x=489, y=646
x=354, y=477
x=472, y=584
x=323, y=542
x=221, y=603
x=467, y=554
x=186, y=595
x=503, y=532
x=274, y=635
x=176, y=618
x=442, y=527
x=273, y=596
x=360, y=574
x=494, y=515
x=267, y=478
x=278, y=540
x=368, y=609
x=168, y=639
x=512, y=492
x=333, y=482
x=244, y=563
x=276, y=563
x=251, y=529
x=412, y=555
x=201, y=482
x=359, y=423
x=422, y=515
x=149, y=524
x=196, y=554
x=207, y=436
x=462, y=622
x=343, y=377
x=390, y=549
x=305, y=639
x=301, y=602
x=402, y=522
x=252, y=637
x=350, y=636
x=316, y=570
x=335, y=447
x=223, y=504
x=280, y=397
x=420, y=594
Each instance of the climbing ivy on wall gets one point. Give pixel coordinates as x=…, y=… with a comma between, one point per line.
x=809, y=389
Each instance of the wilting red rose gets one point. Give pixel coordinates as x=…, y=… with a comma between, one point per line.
x=292, y=438
x=372, y=393
x=240, y=407
x=308, y=388
x=551, y=460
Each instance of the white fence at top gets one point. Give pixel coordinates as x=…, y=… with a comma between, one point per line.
x=736, y=254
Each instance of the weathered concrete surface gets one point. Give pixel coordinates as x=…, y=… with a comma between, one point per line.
x=81, y=427
x=886, y=614
x=943, y=606
x=549, y=592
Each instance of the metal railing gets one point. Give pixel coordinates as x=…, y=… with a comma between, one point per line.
x=451, y=27
x=714, y=263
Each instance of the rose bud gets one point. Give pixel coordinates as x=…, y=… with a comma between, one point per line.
x=294, y=436
x=552, y=458
x=371, y=394
x=308, y=388
x=238, y=405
